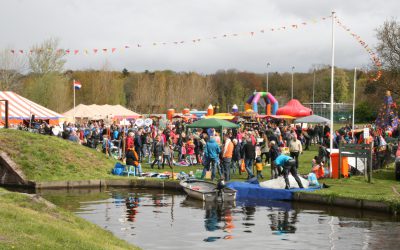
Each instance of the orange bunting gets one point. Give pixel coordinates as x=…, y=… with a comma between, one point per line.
x=372, y=54
x=139, y=45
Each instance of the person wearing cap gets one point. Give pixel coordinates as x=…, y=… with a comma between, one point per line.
x=289, y=166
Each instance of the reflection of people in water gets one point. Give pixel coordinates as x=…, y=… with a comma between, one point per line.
x=283, y=222
x=217, y=214
x=132, y=203
x=249, y=212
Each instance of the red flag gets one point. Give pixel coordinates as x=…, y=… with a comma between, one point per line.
x=113, y=50
x=76, y=52
x=67, y=51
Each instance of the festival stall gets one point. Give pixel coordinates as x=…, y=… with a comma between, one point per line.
x=100, y=112
x=21, y=109
x=223, y=116
x=213, y=123
x=313, y=119
x=294, y=108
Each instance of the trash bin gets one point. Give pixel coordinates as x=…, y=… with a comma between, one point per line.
x=335, y=166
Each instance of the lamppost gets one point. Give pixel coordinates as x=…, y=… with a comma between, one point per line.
x=313, y=92
x=268, y=64
x=292, y=80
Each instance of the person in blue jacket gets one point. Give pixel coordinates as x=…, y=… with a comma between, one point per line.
x=289, y=165
x=211, y=154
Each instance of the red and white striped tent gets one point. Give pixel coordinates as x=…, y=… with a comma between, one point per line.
x=20, y=108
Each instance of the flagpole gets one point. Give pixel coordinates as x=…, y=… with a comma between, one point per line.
x=332, y=81
x=73, y=86
x=354, y=101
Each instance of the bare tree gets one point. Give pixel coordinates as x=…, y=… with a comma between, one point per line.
x=389, y=52
x=11, y=68
x=46, y=58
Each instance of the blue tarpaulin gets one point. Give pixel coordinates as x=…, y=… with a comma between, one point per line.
x=254, y=191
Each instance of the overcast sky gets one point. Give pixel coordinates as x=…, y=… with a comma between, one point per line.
x=90, y=24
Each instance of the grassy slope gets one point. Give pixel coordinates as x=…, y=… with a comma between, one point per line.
x=46, y=158
x=27, y=223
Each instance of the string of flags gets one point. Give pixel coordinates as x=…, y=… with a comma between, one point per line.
x=373, y=56
x=177, y=42
x=295, y=26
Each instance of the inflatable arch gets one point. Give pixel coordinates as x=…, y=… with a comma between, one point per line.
x=269, y=100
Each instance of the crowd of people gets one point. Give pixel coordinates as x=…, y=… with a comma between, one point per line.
x=254, y=144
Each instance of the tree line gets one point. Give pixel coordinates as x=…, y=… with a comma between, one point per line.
x=43, y=79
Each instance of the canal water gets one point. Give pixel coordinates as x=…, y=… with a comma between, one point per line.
x=157, y=219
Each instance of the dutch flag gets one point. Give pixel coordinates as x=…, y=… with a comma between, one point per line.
x=77, y=85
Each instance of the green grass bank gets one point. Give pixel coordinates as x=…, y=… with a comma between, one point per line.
x=29, y=222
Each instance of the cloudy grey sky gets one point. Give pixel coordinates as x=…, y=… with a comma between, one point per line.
x=89, y=24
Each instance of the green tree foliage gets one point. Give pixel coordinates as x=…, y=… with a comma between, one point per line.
x=365, y=112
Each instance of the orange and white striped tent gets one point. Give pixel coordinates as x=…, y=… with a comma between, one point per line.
x=20, y=108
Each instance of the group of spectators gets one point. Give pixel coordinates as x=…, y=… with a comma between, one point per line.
x=235, y=150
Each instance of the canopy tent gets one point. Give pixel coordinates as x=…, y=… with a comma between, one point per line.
x=284, y=117
x=20, y=108
x=213, y=123
x=223, y=116
x=312, y=119
x=100, y=112
x=294, y=108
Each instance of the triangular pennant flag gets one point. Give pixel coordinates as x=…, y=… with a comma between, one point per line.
x=126, y=47
x=105, y=50
x=76, y=52
x=113, y=50
x=21, y=51
x=67, y=51
x=95, y=50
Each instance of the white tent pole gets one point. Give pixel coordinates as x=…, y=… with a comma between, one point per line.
x=332, y=93
x=73, y=86
x=354, y=101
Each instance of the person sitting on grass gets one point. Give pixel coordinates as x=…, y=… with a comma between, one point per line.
x=289, y=166
x=318, y=168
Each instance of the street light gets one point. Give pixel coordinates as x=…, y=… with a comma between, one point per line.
x=268, y=64
x=292, y=80
x=313, y=91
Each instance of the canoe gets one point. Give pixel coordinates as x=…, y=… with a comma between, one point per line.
x=207, y=191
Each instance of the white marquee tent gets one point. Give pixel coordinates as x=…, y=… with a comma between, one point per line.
x=101, y=112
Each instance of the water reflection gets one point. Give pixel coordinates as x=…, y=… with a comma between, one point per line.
x=169, y=220
x=283, y=222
